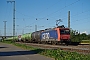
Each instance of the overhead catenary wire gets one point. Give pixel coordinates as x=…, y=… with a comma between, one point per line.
x=62, y=8
x=50, y=16
x=57, y=10
x=51, y=13
x=25, y=14
x=47, y=8
x=75, y=15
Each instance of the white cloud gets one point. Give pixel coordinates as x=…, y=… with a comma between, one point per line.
x=85, y=32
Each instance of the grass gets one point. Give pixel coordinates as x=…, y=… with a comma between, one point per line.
x=56, y=54
x=85, y=41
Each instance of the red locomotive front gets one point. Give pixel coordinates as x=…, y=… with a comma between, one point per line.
x=64, y=34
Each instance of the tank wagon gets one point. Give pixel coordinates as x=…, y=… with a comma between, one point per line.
x=24, y=37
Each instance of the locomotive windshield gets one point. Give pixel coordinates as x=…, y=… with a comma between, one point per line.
x=64, y=31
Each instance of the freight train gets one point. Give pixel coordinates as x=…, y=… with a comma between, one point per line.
x=56, y=35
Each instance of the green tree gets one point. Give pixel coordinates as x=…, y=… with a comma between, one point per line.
x=75, y=36
x=84, y=36
x=88, y=36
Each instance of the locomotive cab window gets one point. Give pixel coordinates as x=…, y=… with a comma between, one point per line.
x=64, y=31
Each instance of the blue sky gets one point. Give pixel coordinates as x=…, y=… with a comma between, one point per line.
x=28, y=10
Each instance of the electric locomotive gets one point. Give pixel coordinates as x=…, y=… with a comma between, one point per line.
x=56, y=35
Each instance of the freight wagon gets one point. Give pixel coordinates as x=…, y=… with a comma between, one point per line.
x=35, y=36
x=24, y=37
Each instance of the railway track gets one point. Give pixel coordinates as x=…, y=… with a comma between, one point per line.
x=83, y=49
